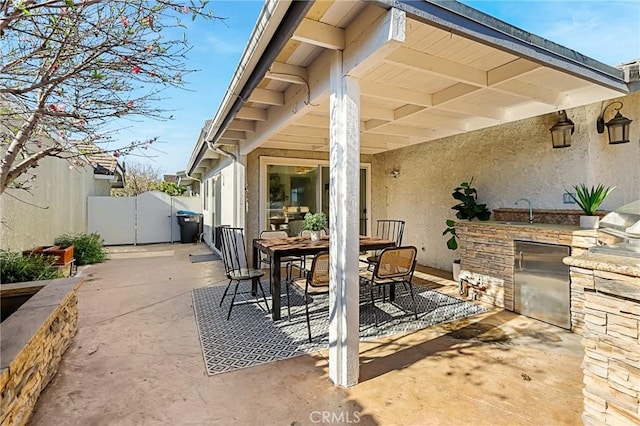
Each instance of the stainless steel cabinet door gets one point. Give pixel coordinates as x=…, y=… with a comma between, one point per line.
x=542, y=282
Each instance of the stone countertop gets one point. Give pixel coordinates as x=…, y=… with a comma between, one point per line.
x=601, y=262
x=524, y=225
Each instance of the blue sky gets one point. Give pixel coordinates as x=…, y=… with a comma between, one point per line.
x=608, y=31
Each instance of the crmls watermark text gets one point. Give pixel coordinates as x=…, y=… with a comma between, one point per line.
x=328, y=417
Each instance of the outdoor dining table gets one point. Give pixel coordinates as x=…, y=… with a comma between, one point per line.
x=280, y=248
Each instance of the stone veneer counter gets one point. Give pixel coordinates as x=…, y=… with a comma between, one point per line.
x=487, y=251
x=611, y=336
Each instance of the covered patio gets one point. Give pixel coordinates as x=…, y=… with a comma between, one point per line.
x=424, y=95
x=136, y=360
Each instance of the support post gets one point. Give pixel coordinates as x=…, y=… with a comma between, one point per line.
x=344, y=227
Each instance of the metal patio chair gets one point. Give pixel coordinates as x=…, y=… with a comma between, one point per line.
x=234, y=255
x=386, y=229
x=316, y=281
x=395, y=265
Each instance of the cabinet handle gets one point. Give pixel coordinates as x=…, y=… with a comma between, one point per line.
x=520, y=258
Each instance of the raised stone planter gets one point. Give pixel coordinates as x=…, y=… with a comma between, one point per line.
x=611, y=318
x=32, y=343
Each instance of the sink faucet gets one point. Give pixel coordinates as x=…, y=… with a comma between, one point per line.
x=530, y=209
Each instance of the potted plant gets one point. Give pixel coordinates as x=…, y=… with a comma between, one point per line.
x=315, y=222
x=467, y=208
x=589, y=199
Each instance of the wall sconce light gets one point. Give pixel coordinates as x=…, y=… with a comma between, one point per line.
x=561, y=131
x=617, y=127
x=395, y=173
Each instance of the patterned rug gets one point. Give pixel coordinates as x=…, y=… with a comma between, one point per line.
x=251, y=338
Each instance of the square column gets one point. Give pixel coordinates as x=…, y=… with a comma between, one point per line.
x=344, y=315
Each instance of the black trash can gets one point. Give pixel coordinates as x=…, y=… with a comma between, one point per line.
x=189, y=225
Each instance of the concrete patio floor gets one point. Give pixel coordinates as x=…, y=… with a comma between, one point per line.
x=137, y=360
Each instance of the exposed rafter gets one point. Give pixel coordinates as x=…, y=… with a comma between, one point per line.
x=267, y=97
x=319, y=34
x=255, y=114
x=288, y=73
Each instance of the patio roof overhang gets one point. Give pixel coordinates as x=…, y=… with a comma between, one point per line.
x=426, y=70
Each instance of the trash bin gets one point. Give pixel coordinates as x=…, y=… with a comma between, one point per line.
x=189, y=225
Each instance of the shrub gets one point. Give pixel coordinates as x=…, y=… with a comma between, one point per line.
x=15, y=268
x=87, y=248
x=315, y=221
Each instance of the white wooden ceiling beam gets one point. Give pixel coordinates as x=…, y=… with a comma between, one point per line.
x=394, y=93
x=511, y=71
x=267, y=97
x=424, y=119
x=480, y=110
x=319, y=34
x=313, y=121
x=532, y=92
x=373, y=124
x=305, y=132
x=393, y=129
x=375, y=113
x=296, y=139
x=287, y=73
x=234, y=134
x=298, y=146
x=452, y=93
x=394, y=140
x=406, y=111
x=255, y=114
x=381, y=36
x=243, y=125
x=423, y=62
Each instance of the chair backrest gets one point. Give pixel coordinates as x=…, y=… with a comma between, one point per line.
x=234, y=252
x=396, y=262
x=295, y=227
x=273, y=234
x=319, y=274
x=390, y=229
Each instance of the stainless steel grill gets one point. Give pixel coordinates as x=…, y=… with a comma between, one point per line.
x=624, y=223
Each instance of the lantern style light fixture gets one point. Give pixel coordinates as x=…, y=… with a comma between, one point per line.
x=617, y=127
x=561, y=131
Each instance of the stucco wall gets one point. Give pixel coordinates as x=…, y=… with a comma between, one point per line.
x=57, y=204
x=507, y=162
x=221, y=182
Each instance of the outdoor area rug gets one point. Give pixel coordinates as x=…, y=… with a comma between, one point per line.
x=251, y=338
x=207, y=257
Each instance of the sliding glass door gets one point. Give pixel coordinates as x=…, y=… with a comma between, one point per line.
x=291, y=188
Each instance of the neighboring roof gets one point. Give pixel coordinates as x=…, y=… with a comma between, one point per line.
x=427, y=70
x=102, y=162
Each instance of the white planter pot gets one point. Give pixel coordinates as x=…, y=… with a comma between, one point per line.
x=315, y=235
x=589, y=222
x=456, y=271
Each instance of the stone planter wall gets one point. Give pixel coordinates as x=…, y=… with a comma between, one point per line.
x=33, y=341
x=611, y=338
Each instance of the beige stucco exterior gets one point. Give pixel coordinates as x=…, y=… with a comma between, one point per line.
x=56, y=205
x=507, y=162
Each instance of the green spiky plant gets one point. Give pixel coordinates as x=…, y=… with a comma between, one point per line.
x=589, y=199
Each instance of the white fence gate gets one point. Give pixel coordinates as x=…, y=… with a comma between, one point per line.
x=147, y=218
